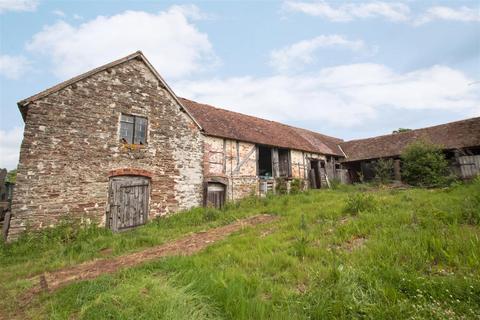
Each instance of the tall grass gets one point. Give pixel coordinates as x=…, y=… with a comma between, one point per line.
x=413, y=254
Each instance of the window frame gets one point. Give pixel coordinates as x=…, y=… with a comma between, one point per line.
x=134, y=128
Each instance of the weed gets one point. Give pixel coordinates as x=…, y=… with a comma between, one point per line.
x=471, y=210
x=281, y=186
x=383, y=171
x=421, y=262
x=296, y=186
x=211, y=214
x=360, y=202
x=335, y=183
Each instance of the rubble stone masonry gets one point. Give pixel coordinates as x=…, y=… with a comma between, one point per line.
x=71, y=147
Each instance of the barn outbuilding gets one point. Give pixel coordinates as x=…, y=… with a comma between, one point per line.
x=115, y=146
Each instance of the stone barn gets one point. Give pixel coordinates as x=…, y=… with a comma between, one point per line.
x=117, y=147
x=114, y=145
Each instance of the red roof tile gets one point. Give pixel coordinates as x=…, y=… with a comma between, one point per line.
x=227, y=124
x=453, y=135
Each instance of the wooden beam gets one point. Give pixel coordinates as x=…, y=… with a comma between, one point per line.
x=240, y=164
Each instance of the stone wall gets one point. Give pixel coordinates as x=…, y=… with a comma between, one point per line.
x=71, y=144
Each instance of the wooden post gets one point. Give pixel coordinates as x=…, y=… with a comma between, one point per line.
x=275, y=166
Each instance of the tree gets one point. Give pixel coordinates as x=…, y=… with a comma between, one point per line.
x=399, y=130
x=424, y=164
x=11, y=176
x=384, y=171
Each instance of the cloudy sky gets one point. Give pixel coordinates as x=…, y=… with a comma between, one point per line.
x=347, y=69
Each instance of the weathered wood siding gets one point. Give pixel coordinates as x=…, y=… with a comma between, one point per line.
x=469, y=166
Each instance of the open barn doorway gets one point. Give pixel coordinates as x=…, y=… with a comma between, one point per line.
x=265, y=162
x=314, y=174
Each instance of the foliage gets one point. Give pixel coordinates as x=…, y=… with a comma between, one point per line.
x=302, y=240
x=335, y=183
x=424, y=164
x=359, y=202
x=11, y=176
x=418, y=260
x=211, y=214
x=296, y=186
x=471, y=211
x=383, y=171
x=281, y=186
x=399, y=130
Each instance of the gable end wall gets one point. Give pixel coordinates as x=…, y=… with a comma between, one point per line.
x=71, y=144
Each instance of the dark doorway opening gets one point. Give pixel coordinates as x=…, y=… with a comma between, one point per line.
x=265, y=161
x=314, y=174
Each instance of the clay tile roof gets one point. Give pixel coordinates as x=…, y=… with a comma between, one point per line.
x=453, y=135
x=227, y=124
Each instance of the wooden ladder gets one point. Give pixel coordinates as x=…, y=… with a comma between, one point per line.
x=324, y=177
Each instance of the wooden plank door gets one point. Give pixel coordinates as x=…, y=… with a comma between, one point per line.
x=215, y=195
x=129, y=198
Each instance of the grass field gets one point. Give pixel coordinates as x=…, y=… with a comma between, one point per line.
x=354, y=252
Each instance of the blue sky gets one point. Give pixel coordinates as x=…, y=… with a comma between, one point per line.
x=347, y=69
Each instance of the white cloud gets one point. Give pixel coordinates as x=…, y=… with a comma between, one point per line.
x=18, y=5
x=341, y=96
x=59, y=13
x=392, y=11
x=169, y=39
x=10, y=141
x=463, y=14
x=302, y=53
x=349, y=11
x=13, y=67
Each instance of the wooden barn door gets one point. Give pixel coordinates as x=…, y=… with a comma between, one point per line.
x=215, y=195
x=128, y=202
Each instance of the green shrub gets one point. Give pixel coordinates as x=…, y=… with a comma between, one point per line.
x=296, y=186
x=335, y=183
x=424, y=164
x=281, y=186
x=360, y=202
x=383, y=171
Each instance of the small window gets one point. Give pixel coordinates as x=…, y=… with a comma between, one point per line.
x=133, y=129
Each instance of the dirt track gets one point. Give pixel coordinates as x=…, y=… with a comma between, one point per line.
x=184, y=246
